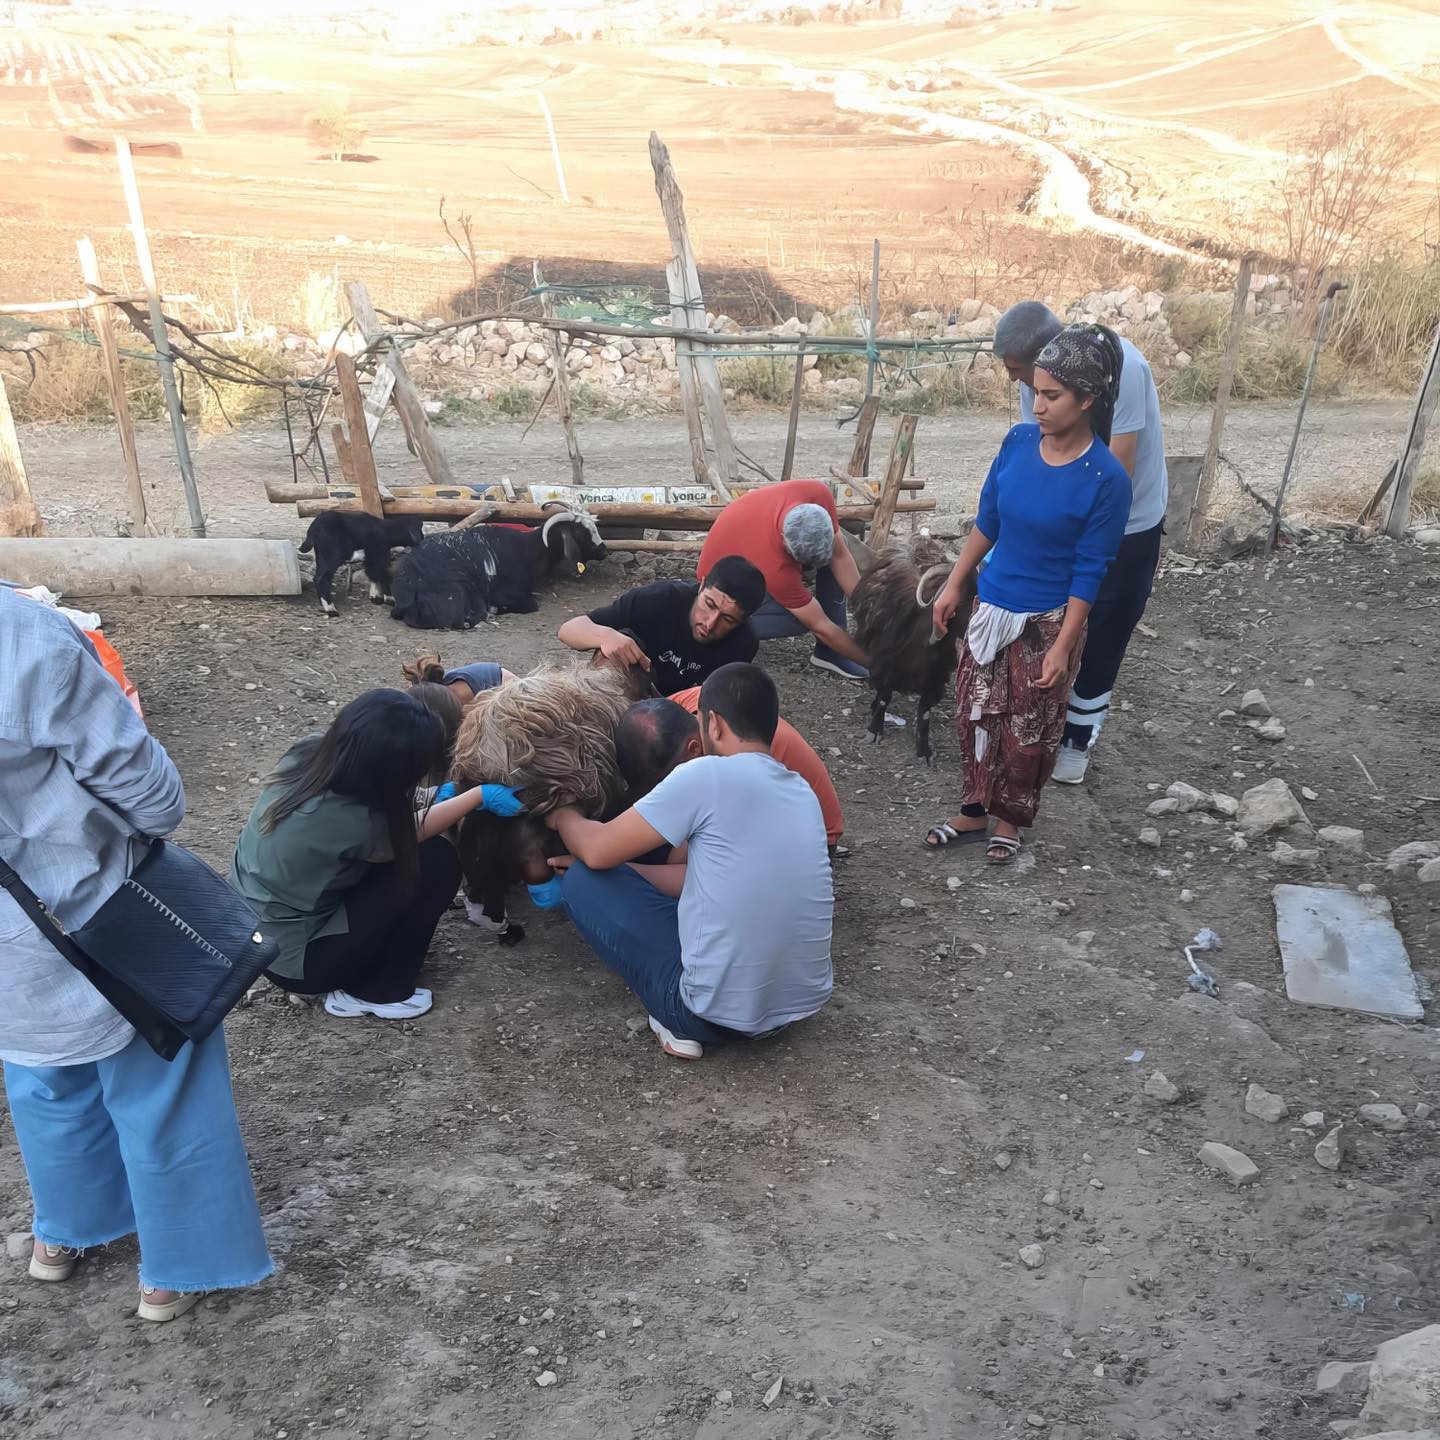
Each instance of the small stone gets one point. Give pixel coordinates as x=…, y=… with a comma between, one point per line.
x=1187, y=797
x=1238, y=1169
x=1157, y=1087
x=1424, y=1110
x=1388, y=1117
x=1428, y=536
x=1225, y=805
x=1003, y=1160
x=1403, y=1394
x=1270, y=729
x=1344, y=837
x=1187, y=897
x=1169, y=805
x=724, y=1397
x=1416, y=853
x=1149, y=836
x=952, y=882
x=773, y=1393
x=1032, y=1257
x=1313, y=1119
x=1306, y=793
x=1050, y=1198
x=1267, y=807
x=1253, y=702
x=906, y=903
x=1238, y=843
x=1085, y=937
x=1331, y=1150
x=1096, y=1184
x=1287, y=854
x=1036, y=1422
x=1347, y=1378
x=19, y=1246
x=546, y=1378
x=1265, y=1105
x=1151, y=727
x=1429, y=872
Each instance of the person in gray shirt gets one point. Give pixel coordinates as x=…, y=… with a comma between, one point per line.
x=731, y=939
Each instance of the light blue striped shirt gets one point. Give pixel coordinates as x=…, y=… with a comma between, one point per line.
x=81, y=779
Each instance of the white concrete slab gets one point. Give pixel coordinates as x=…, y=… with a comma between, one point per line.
x=1342, y=950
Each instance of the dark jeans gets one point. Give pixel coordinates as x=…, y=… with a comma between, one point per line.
x=391, y=926
x=635, y=930
x=1124, y=593
x=772, y=621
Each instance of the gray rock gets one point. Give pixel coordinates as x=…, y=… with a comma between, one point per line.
x=1166, y=806
x=1388, y=1117
x=1158, y=1087
x=1253, y=702
x=1265, y=1105
x=1050, y=1198
x=546, y=1378
x=1429, y=873
x=19, y=1246
x=1286, y=854
x=1187, y=796
x=1416, y=853
x=1270, y=729
x=1238, y=1169
x=1032, y=1257
x=1428, y=536
x=1313, y=1119
x=1149, y=836
x=1424, y=1110
x=1343, y=1377
x=1003, y=1160
x=1331, y=1151
x=1225, y=805
x=1267, y=807
x=1404, y=1384
x=1345, y=837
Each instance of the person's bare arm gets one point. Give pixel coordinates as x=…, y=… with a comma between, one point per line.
x=827, y=632
x=1122, y=447
x=843, y=566
x=439, y=818
x=1056, y=665
x=977, y=546
x=602, y=844
x=667, y=879
x=582, y=633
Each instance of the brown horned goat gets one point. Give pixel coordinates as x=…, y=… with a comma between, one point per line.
x=894, y=625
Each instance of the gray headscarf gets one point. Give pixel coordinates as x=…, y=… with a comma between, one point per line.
x=1024, y=330
x=1087, y=359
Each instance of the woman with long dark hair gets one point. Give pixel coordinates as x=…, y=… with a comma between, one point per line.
x=349, y=880
x=1052, y=515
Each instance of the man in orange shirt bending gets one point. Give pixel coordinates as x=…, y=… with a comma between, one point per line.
x=657, y=735
x=784, y=530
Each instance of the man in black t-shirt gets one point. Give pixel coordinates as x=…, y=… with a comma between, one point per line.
x=678, y=630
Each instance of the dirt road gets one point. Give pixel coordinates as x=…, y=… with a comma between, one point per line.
x=518, y=1183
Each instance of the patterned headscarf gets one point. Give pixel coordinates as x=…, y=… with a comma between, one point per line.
x=1087, y=359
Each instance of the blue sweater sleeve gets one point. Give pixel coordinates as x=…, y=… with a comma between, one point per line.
x=1102, y=534
x=987, y=520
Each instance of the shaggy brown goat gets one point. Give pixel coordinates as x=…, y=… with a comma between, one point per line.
x=894, y=625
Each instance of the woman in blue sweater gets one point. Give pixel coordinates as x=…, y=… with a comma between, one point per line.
x=1052, y=515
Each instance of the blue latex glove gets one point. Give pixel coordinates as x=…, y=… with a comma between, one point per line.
x=445, y=792
x=549, y=896
x=502, y=800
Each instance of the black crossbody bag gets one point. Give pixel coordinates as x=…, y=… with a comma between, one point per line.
x=173, y=949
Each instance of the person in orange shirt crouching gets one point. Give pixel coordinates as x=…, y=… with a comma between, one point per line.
x=657, y=735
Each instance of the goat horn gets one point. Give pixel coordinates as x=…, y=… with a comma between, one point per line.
x=930, y=574
x=551, y=523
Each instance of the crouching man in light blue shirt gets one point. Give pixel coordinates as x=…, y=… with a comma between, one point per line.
x=731, y=939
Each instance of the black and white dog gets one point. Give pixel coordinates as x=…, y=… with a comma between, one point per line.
x=337, y=537
x=458, y=578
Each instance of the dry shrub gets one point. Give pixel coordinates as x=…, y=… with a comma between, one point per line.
x=1271, y=366
x=1385, y=322
x=69, y=387
x=223, y=403
x=758, y=377
x=317, y=304
x=550, y=734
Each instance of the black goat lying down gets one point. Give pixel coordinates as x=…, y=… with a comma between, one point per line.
x=337, y=536
x=458, y=578
x=894, y=625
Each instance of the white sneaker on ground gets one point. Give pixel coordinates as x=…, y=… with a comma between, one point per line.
x=162, y=1312
x=676, y=1045
x=1070, y=766
x=346, y=1006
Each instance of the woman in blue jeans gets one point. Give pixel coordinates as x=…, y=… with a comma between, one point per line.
x=115, y=1140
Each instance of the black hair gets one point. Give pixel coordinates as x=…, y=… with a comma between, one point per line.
x=735, y=576
x=377, y=750
x=649, y=740
x=745, y=698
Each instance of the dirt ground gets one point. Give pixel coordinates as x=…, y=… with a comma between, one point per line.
x=517, y=1182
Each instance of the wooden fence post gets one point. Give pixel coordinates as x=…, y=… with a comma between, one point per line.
x=864, y=433
x=115, y=382
x=18, y=515
x=160, y=337
x=787, y=465
x=1223, y=387
x=1427, y=396
x=362, y=458
x=890, y=485
x=559, y=344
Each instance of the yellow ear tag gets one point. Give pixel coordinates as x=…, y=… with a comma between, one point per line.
x=580, y=566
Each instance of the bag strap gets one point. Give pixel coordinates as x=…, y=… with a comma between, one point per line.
x=39, y=915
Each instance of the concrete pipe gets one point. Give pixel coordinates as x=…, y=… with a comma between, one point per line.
x=104, y=565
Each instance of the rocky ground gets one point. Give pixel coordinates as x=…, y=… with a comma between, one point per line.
x=959, y=1203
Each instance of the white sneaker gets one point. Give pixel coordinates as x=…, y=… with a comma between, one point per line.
x=674, y=1045
x=1070, y=766
x=345, y=1006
